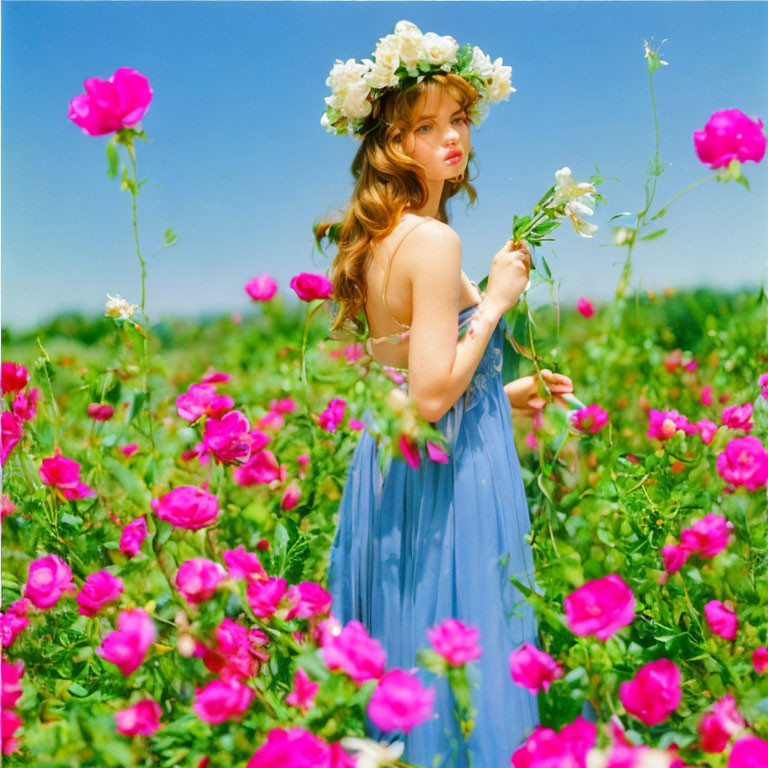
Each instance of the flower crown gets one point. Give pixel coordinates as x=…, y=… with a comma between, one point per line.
x=401, y=58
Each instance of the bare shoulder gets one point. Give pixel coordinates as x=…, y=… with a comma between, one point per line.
x=429, y=248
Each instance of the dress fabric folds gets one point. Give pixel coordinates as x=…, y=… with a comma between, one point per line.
x=417, y=546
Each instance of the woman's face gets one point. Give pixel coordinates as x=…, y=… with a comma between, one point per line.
x=439, y=138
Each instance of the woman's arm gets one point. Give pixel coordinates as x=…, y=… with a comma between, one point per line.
x=523, y=393
x=440, y=369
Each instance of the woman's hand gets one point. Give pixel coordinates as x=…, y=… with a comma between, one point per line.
x=524, y=396
x=509, y=275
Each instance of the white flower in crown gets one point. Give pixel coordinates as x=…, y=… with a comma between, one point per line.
x=440, y=49
x=380, y=75
x=387, y=53
x=411, y=42
x=349, y=91
x=501, y=83
x=481, y=64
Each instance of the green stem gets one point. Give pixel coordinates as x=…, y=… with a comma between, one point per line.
x=54, y=406
x=682, y=191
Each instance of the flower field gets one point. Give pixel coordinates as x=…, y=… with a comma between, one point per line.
x=170, y=493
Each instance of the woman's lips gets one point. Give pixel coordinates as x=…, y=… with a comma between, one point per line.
x=453, y=158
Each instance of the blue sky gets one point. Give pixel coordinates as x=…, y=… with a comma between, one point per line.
x=240, y=167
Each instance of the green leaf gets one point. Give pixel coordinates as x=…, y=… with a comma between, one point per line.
x=546, y=267
x=137, y=404
x=77, y=690
x=743, y=181
x=113, y=159
x=169, y=237
x=128, y=481
x=653, y=235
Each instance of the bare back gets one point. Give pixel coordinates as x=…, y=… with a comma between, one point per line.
x=388, y=307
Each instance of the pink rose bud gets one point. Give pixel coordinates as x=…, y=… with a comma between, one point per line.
x=455, y=641
x=140, y=719
x=14, y=621
x=11, y=683
x=242, y=564
x=292, y=749
x=49, y=577
x=707, y=430
x=353, y=651
x=333, y=415
x=674, y=557
x=748, y=752
x=738, y=417
x=291, y=496
x=261, y=469
x=600, y=607
x=436, y=453
x=261, y=288
x=762, y=382
x=584, y=307
x=12, y=431
x=673, y=359
x=187, y=507
x=744, y=462
x=198, y=578
x=264, y=595
x=8, y=507
x=654, y=692
x=11, y=723
x=730, y=135
x=760, y=659
x=706, y=395
x=303, y=694
x=132, y=536
x=25, y=404
x=129, y=449
x=126, y=646
x=100, y=412
x=222, y=700
x=410, y=450
x=98, y=589
x=356, y=425
x=590, y=419
x=13, y=377
x=531, y=441
x=202, y=399
x=534, y=669
x=400, y=702
x=109, y=105
x=722, y=621
x=708, y=536
x=309, y=286
x=719, y=724
x=308, y=599
x=544, y=747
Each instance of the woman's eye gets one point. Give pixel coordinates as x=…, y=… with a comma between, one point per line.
x=462, y=119
x=422, y=127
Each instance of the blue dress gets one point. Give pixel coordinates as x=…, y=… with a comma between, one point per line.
x=417, y=546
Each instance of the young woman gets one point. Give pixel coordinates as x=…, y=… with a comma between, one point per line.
x=415, y=547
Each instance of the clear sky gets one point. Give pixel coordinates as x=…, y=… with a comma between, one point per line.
x=240, y=167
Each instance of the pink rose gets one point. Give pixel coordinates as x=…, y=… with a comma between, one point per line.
x=730, y=135
x=590, y=419
x=132, y=536
x=294, y=748
x=228, y=438
x=98, y=589
x=100, y=412
x=25, y=404
x=721, y=619
x=11, y=723
x=64, y=474
x=129, y=449
x=8, y=507
x=242, y=564
x=13, y=377
x=49, y=577
x=286, y=405
x=664, y=424
x=400, y=702
x=436, y=453
x=691, y=365
x=11, y=683
x=309, y=287
x=291, y=496
x=261, y=469
x=707, y=536
x=744, y=462
x=215, y=377
x=357, y=425
x=719, y=724
x=674, y=557
x=222, y=700
x=140, y=719
x=14, y=621
x=109, y=105
x=654, y=692
x=264, y=596
x=308, y=599
x=333, y=415
x=600, y=607
x=546, y=749
x=234, y=654
x=202, y=399
x=353, y=352
x=584, y=307
x=353, y=651
x=707, y=430
x=760, y=659
x=410, y=450
x=12, y=431
x=198, y=578
x=261, y=288
x=304, y=691
x=762, y=382
x=126, y=646
x=706, y=395
x=738, y=417
x=455, y=641
x=748, y=752
x=187, y=507
x=534, y=669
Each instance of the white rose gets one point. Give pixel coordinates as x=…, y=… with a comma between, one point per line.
x=118, y=307
x=481, y=63
x=439, y=49
x=380, y=76
x=501, y=82
x=326, y=123
x=411, y=42
x=345, y=74
x=387, y=53
x=356, y=102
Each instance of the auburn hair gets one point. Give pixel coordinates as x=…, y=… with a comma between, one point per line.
x=386, y=181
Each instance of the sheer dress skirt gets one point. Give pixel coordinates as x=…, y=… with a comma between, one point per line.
x=417, y=546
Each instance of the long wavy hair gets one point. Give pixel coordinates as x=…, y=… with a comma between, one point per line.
x=386, y=181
